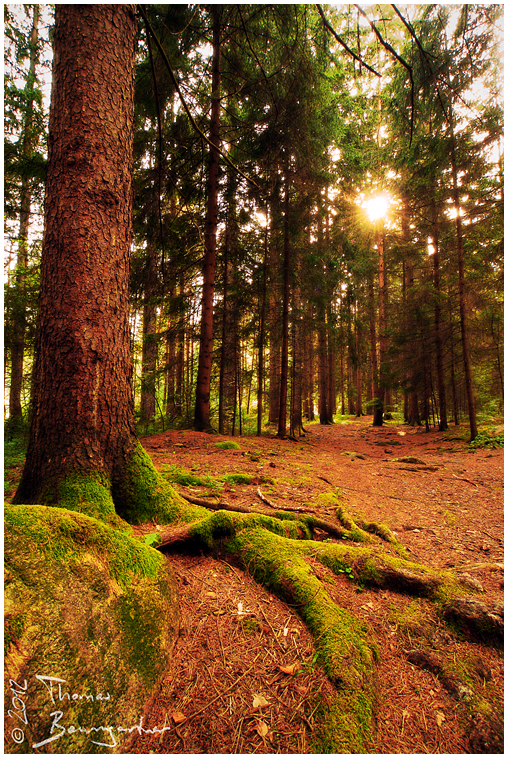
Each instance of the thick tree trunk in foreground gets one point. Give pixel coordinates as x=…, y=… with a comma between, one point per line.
x=202, y=404
x=82, y=414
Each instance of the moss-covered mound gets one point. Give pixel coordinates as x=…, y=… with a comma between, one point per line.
x=91, y=618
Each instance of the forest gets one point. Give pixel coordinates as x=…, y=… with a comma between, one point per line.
x=342, y=253
x=253, y=261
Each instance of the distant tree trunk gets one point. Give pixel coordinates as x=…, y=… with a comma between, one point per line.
x=462, y=292
x=19, y=321
x=229, y=343
x=284, y=359
x=83, y=411
x=381, y=380
x=351, y=405
x=261, y=343
x=297, y=369
x=275, y=298
x=331, y=370
x=150, y=346
x=443, y=422
x=308, y=366
x=203, y=379
x=373, y=347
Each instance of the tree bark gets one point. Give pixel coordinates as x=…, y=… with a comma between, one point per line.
x=202, y=403
x=83, y=413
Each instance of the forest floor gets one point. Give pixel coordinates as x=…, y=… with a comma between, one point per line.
x=245, y=675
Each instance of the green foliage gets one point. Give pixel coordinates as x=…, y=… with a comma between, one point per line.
x=487, y=438
x=237, y=479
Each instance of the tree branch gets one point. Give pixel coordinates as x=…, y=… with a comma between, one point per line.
x=341, y=42
x=393, y=52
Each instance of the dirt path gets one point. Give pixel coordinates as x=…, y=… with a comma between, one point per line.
x=244, y=673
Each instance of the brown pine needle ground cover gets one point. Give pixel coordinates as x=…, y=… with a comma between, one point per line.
x=244, y=676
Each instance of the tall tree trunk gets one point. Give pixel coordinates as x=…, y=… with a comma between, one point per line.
x=261, y=343
x=383, y=339
x=443, y=422
x=150, y=345
x=83, y=412
x=203, y=379
x=19, y=321
x=462, y=292
x=284, y=358
x=358, y=339
x=373, y=347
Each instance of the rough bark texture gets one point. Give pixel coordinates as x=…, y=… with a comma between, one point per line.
x=82, y=414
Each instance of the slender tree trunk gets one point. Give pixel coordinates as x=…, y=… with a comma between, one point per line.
x=83, y=412
x=331, y=372
x=381, y=380
x=358, y=362
x=284, y=361
x=261, y=343
x=19, y=321
x=202, y=404
x=462, y=294
x=373, y=347
x=443, y=422
x=150, y=346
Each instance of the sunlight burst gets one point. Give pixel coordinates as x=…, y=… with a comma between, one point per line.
x=377, y=206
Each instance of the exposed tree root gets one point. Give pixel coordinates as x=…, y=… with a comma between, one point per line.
x=366, y=566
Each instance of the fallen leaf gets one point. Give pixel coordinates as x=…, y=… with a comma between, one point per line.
x=259, y=702
x=211, y=594
x=262, y=728
x=178, y=717
x=440, y=717
x=290, y=669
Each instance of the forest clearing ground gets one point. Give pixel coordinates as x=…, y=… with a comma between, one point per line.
x=446, y=509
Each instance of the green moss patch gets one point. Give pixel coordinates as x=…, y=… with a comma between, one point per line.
x=94, y=610
x=228, y=445
x=143, y=495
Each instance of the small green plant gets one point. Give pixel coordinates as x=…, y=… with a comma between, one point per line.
x=176, y=475
x=348, y=571
x=237, y=479
x=487, y=438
